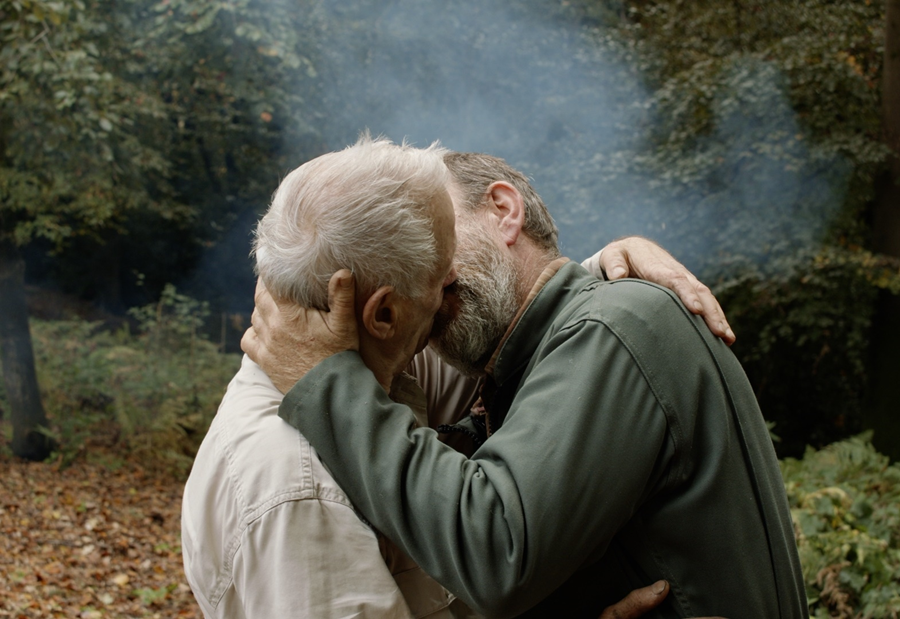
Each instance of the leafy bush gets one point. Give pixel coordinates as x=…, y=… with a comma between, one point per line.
x=845, y=503
x=803, y=338
x=757, y=145
x=160, y=388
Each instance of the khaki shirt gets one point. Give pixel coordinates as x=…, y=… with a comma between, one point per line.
x=267, y=532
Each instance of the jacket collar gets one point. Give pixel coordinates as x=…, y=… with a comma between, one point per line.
x=561, y=280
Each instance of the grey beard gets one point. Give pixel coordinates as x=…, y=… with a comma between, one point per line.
x=486, y=287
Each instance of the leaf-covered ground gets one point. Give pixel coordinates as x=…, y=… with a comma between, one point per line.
x=100, y=538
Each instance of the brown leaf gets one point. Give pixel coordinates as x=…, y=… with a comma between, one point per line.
x=77, y=542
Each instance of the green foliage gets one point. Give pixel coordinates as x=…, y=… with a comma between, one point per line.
x=756, y=161
x=740, y=134
x=845, y=503
x=803, y=337
x=154, y=596
x=238, y=79
x=760, y=133
x=161, y=387
x=158, y=121
x=170, y=321
x=75, y=151
x=118, y=115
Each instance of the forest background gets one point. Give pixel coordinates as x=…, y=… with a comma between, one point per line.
x=758, y=142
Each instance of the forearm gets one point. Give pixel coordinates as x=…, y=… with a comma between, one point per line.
x=459, y=519
x=505, y=528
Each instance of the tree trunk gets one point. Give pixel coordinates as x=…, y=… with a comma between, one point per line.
x=17, y=358
x=884, y=408
x=887, y=208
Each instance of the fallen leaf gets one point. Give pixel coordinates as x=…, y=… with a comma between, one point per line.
x=120, y=579
x=53, y=568
x=60, y=549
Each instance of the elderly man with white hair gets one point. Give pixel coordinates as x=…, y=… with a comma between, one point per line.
x=266, y=530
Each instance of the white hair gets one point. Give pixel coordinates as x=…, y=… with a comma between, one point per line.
x=366, y=208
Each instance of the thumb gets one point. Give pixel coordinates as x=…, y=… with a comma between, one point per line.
x=638, y=602
x=342, y=295
x=614, y=262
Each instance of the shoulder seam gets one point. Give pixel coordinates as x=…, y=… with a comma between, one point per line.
x=673, y=424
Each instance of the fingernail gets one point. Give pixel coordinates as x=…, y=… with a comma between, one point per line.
x=698, y=305
x=659, y=587
x=617, y=272
x=730, y=334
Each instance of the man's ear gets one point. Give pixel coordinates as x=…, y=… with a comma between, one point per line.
x=379, y=316
x=509, y=208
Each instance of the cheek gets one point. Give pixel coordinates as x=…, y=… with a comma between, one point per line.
x=435, y=305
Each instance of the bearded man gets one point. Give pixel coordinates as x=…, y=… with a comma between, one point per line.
x=266, y=530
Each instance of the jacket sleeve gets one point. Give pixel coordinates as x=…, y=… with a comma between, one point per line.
x=575, y=457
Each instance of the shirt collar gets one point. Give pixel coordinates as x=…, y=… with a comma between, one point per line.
x=545, y=276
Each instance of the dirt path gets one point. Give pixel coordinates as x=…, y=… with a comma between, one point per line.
x=99, y=539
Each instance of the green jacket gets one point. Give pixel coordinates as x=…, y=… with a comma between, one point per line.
x=630, y=449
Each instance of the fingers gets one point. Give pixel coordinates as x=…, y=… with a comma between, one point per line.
x=699, y=299
x=638, y=602
x=340, y=320
x=261, y=297
x=614, y=261
x=266, y=307
x=685, y=286
x=637, y=257
x=260, y=288
x=713, y=315
x=341, y=295
x=260, y=329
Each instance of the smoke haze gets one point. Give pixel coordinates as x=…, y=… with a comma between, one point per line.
x=567, y=104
